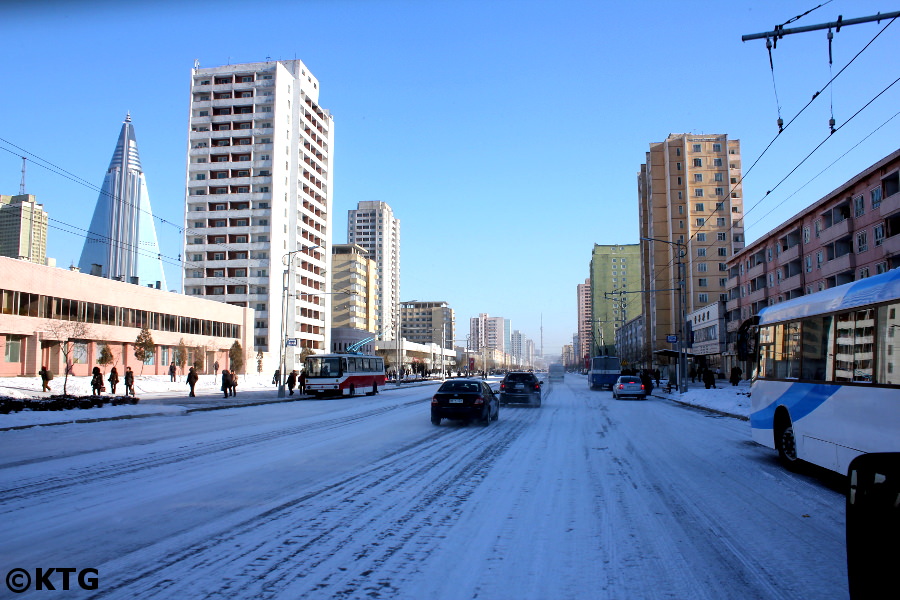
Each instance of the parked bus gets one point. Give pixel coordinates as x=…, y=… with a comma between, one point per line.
x=344, y=374
x=604, y=371
x=827, y=386
x=557, y=371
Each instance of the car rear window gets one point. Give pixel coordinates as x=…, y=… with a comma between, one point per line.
x=629, y=380
x=459, y=386
x=520, y=377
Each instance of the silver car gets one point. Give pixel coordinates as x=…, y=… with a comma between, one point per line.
x=628, y=385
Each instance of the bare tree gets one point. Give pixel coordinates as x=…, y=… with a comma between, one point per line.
x=68, y=333
x=144, y=347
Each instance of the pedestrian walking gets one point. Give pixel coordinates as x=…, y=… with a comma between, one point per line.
x=276, y=378
x=129, y=381
x=292, y=381
x=709, y=379
x=234, y=382
x=46, y=378
x=216, y=367
x=736, y=373
x=96, y=381
x=692, y=373
x=226, y=382
x=113, y=380
x=656, y=376
x=192, y=379
x=172, y=372
x=301, y=383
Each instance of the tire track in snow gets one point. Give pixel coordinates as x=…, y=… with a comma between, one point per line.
x=98, y=471
x=284, y=550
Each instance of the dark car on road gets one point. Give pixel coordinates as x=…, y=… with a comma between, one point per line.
x=520, y=387
x=465, y=400
x=627, y=386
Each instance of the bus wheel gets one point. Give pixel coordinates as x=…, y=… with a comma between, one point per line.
x=786, y=444
x=352, y=390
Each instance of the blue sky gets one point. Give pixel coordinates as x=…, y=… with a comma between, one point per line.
x=505, y=135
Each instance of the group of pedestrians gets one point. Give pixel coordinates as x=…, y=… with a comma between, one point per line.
x=97, y=385
x=229, y=382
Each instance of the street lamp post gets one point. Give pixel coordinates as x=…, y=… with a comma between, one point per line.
x=681, y=252
x=286, y=260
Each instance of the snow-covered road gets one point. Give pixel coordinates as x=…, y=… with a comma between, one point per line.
x=586, y=497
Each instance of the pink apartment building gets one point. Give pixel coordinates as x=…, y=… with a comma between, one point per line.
x=850, y=234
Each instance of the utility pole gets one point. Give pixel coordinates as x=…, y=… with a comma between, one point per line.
x=779, y=31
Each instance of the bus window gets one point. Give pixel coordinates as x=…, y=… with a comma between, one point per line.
x=888, y=325
x=817, y=337
x=854, y=345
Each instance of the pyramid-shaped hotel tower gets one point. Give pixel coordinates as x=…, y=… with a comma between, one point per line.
x=122, y=242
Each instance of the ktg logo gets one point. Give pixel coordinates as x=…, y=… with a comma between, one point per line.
x=19, y=580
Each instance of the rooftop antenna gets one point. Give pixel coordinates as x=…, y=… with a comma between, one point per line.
x=22, y=183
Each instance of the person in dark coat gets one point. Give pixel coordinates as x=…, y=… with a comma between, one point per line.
x=276, y=378
x=129, y=381
x=46, y=377
x=292, y=381
x=736, y=373
x=233, y=379
x=656, y=376
x=301, y=383
x=226, y=382
x=172, y=372
x=692, y=373
x=709, y=379
x=113, y=380
x=192, y=379
x=96, y=381
x=647, y=381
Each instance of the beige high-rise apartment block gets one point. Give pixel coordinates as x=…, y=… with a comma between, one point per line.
x=691, y=204
x=23, y=228
x=354, y=281
x=372, y=225
x=258, y=204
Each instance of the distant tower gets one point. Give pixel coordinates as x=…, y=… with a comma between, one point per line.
x=122, y=243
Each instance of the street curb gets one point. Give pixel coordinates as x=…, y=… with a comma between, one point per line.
x=706, y=408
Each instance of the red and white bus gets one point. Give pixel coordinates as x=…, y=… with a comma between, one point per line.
x=344, y=374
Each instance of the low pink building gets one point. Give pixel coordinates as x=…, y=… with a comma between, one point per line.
x=850, y=234
x=47, y=313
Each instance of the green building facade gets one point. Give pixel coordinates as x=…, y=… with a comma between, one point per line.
x=615, y=293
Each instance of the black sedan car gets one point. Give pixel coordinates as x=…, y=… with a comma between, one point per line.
x=520, y=387
x=465, y=400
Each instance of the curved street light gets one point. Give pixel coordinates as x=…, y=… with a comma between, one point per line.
x=286, y=260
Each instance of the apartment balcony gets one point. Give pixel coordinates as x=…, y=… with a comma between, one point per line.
x=838, y=265
x=889, y=205
x=891, y=245
x=789, y=283
x=756, y=296
x=756, y=271
x=836, y=231
x=792, y=253
x=733, y=304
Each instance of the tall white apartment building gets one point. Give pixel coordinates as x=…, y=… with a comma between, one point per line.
x=258, y=202
x=372, y=225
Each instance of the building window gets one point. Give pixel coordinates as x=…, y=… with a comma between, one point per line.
x=701, y=251
x=721, y=236
x=818, y=226
x=698, y=192
x=879, y=234
x=703, y=298
x=680, y=208
x=720, y=222
x=13, y=351
x=720, y=191
x=858, y=206
x=700, y=221
x=881, y=268
x=701, y=267
x=809, y=264
x=678, y=180
x=862, y=241
x=876, y=197
x=699, y=206
x=806, y=235
x=723, y=267
x=701, y=237
x=722, y=251
x=819, y=259
x=677, y=166
x=863, y=273
x=698, y=177
x=718, y=176
x=717, y=147
x=698, y=162
x=696, y=147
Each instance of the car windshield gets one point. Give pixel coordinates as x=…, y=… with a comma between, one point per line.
x=520, y=377
x=460, y=386
x=323, y=367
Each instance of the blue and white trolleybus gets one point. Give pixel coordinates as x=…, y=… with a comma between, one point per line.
x=827, y=388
